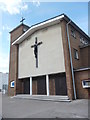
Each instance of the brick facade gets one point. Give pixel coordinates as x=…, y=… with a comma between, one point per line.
x=79, y=77
x=13, y=63
x=82, y=62
x=85, y=56
x=75, y=44
x=67, y=61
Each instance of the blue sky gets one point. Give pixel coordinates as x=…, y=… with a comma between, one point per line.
x=12, y=12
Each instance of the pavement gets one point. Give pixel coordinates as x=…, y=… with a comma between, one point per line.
x=26, y=108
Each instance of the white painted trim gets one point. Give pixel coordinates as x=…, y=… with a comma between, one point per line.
x=30, y=85
x=34, y=28
x=47, y=84
x=85, y=86
x=82, y=69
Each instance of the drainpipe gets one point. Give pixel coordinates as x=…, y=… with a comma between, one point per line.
x=71, y=59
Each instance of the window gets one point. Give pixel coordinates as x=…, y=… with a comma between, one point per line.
x=5, y=87
x=86, y=83
x=76, y=54
x=73, y=33
x=12, y=84
x=83, y=41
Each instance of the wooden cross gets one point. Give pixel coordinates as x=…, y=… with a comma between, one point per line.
x=22, y=20
x=35, y=46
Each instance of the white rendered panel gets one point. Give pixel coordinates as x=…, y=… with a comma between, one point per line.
x=50, y=53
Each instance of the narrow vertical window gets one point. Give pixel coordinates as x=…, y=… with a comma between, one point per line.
x=76, y=54
x=73, y=33
x=83, y=41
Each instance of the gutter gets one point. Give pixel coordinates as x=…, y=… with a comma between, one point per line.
x=72, y=70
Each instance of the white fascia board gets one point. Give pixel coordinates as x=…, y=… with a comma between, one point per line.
x=33, y=28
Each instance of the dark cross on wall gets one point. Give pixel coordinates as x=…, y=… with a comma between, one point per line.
x=22, y=20
x=35, y=46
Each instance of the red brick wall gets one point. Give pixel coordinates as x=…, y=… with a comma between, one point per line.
x=80, y=91
x=13, y=63
x=75, y=44
x=85, y=56
x=67, y=61
x=12, y=68
x=16, y=33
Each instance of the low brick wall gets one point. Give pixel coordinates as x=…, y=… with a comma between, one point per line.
x=82, y=93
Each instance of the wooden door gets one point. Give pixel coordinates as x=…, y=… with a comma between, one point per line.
x=60, y=84
x=41, y=85
x=27, y=86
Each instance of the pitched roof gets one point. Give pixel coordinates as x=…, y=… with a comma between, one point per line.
x=47, y=23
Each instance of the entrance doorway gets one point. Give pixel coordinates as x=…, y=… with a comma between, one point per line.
x=26, y=85
x=60, y=84
x=41, y=85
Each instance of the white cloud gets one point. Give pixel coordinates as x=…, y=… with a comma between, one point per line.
x=5, y=27
x=13, y=6
x=4, y=63
x=36, y=3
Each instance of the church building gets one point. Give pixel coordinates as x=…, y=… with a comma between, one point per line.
x=50, y=58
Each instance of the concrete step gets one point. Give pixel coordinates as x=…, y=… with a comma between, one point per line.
x=44, y=97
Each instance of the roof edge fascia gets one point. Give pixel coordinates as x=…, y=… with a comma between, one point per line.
x=23, y=36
